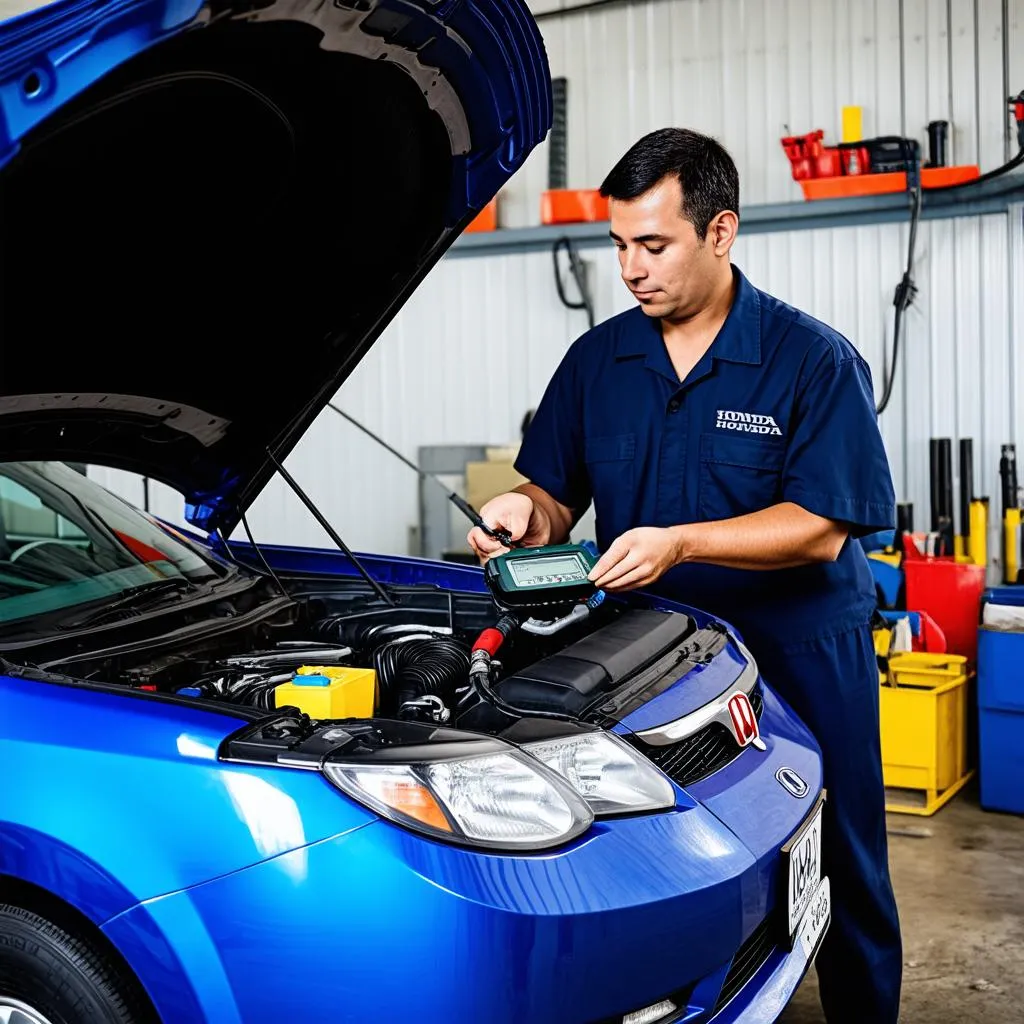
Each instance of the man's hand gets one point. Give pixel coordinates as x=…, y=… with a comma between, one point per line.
x=638, y=557
x=780, y=537
x=524, y=519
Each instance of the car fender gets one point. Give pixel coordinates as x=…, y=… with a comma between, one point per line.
x=109, y=799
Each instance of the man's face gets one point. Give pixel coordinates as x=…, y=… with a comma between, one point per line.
x=666, y=266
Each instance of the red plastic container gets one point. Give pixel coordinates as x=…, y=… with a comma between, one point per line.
x=950, y=592
x=572, y=206
x=931, y=639
x=486, y=219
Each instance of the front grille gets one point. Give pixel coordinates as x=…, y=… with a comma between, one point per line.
x=748, y=960
x=703, y=753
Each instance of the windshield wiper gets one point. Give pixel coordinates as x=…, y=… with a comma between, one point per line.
x=134, y=598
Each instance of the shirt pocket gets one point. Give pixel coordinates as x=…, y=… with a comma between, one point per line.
x=611, y=467
x=738, y=475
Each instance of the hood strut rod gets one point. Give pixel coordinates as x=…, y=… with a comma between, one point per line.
x=331, y=532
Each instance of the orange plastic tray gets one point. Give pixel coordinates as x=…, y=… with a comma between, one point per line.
x=876, y=184
x=486, y=219
x=570, y=206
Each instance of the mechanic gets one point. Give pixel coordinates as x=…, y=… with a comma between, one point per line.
x=730, y=446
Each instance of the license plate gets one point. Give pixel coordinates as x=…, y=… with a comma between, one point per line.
x=804, y=868
x=816, y=918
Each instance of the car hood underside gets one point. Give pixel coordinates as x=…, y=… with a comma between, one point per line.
x=198, y=248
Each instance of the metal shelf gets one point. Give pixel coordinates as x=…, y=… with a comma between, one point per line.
x=993, y=196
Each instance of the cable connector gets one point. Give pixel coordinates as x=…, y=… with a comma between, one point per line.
x=429, y=706
x=906, y=290
x=912, y=160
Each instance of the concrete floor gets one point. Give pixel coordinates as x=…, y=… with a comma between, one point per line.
x=960, y=890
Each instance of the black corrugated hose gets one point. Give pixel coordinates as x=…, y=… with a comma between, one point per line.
x=410, y=669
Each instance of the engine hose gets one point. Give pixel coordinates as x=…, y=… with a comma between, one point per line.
x=418, y=667
x=480, y=681
x=486, y=647
x=256, y=691
x=349, y=629
x=491, y=639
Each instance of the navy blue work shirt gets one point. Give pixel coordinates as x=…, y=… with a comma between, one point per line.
x=780, y=408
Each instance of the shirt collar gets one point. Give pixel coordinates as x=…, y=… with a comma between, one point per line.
x=738, y=340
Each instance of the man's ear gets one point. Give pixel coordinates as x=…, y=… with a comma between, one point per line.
x=722, y=232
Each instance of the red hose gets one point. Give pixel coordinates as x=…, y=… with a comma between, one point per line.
x=490, y=640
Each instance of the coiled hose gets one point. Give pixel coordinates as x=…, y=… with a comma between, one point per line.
x=410, y=669
x=368, y=629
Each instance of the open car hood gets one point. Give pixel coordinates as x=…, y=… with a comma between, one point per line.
x=208, y=215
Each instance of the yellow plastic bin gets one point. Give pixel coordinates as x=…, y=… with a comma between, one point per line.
x=923, y=714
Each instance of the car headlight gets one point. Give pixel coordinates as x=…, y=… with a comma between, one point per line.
x=607, y=772
x=503, y=800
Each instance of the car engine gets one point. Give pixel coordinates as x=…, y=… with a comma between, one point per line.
x=434, y=657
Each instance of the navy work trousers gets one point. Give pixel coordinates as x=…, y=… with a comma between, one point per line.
x=832, y=684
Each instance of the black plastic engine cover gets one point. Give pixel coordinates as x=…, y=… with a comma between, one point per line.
x=570, y=681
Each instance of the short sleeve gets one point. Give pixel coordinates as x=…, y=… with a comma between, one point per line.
x=836, y=464
x=551, y=455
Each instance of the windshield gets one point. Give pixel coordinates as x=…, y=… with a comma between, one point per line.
x=66, y=541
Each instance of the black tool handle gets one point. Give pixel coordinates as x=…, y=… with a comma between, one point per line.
x=966, y=484
x=904, y=518
x=935, y=503
x=941, y=472
x=937, y=134
x=475, y=518
x=1008, y=475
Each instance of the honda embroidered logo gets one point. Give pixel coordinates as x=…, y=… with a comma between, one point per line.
x=744, y=721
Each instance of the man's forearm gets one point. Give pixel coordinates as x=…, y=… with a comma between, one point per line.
x=780, y=537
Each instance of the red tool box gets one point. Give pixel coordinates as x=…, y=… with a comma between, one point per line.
x=833, y=172
x=810, y=157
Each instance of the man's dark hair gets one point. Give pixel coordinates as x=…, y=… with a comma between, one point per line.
x=706, y=173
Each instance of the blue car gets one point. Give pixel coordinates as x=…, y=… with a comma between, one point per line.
x=254, y=784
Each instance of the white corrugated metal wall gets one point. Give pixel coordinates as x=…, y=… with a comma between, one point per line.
x=750, y=71
x=476, y=345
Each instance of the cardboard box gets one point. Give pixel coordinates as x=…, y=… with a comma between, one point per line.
x=502, y=453
x=486, y=480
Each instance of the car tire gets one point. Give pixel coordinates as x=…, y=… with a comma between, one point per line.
x=58, y=976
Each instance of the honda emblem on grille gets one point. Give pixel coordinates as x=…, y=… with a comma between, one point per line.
x=791, y=782
x=744, y=721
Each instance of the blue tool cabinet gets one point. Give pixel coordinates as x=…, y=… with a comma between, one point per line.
x=1001, y=709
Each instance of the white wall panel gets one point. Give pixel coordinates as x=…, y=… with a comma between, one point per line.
x=1015, y=45
x=1015, y=276
x=749, y=71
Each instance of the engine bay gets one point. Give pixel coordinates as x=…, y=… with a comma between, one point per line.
x=436, y=657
